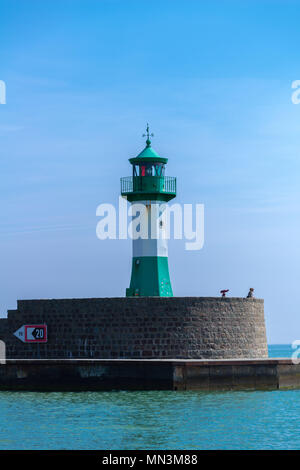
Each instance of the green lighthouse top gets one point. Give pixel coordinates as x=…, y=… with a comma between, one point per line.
x=148, y=180
x=148, y=154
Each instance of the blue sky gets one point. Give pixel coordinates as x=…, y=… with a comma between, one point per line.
x=213, y=79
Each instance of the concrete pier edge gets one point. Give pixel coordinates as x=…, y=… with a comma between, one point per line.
x=149, y=374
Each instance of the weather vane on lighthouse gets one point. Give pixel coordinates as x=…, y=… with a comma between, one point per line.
x=148, y=135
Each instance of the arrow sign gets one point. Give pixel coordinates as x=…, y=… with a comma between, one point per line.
x=32, y=333
x=20, y=333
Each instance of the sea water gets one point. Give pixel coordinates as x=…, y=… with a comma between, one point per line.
x=152, y=419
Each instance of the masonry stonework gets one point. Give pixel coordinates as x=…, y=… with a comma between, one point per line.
x=152, y=327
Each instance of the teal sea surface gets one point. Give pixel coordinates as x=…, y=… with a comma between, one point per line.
x=152, y=420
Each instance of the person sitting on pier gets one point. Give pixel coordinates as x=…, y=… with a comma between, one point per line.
x=250, y=293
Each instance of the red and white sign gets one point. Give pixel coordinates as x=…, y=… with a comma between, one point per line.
x=32, y=333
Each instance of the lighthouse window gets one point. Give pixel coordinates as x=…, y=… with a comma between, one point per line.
x=146, y=170
x=149, y=169
x=159, y=169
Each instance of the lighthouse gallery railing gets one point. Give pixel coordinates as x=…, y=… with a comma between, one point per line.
x=149, y=184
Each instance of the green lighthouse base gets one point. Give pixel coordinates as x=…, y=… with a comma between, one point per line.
x=150, y=277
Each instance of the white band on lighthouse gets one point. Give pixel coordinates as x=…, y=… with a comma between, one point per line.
x=149, y=248
x=154, y=242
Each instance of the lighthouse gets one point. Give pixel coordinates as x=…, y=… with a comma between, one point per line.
x=149, y=190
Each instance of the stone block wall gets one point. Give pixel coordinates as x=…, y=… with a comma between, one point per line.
x=152, y=327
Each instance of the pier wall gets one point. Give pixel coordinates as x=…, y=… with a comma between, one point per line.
x=149, y=374
x=140, y=328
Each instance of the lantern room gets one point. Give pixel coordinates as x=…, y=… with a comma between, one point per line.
x=148, y=180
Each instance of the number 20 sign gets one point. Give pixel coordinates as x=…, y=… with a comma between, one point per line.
x=32, y=333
